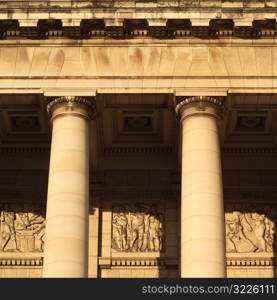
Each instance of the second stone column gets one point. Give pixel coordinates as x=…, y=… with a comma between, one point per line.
x=66, y=235
x=202, y=213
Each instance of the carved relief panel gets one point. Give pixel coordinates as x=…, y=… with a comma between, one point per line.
x=137, y=228
x=22, y=228
x=250, y=228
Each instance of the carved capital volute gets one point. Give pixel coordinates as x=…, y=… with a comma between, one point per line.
x=199, y=105
x=73, y=105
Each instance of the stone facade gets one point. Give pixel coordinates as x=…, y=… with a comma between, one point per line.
x=138, y=138
x=250, y=228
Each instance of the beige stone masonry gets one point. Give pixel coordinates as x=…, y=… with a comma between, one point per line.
x=67, y=216
x=184, y=66
x=202, y=213
x=72, y=11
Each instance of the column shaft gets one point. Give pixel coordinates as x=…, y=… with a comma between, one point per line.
x=66, y=237
x=202, y=213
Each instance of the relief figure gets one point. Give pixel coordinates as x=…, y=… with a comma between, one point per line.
x=8, y=234
x=249, y=230
x=21, y=230
x=120, y=231
x=136, y=229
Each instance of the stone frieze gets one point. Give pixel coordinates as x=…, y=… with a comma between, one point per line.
x=250, y=228
x=22, y=228
x=137, y=228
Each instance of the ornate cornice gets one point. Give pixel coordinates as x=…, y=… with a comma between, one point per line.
x=201, y=102
x=69, y=102
x=132, y=27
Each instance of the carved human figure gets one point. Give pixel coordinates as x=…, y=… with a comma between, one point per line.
x=120, y=231
x=254, y=229
x=8, y=233
x=145, y=237
x=269, y=235
x=236, y=241
x=229, y=227
x=22, y=229
x=21, y=221
x=35, y=217
x=250, y=230
x=242, y=244
x=37, y=225
x=30, y=228
x=154, y=234
x=136, y=222
x=136, y=228
x=39, y=234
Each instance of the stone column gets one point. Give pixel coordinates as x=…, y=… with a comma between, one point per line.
x=66, y=234
x=202, y=212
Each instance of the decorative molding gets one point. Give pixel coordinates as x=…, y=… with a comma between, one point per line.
x=196, y=99
x=249, y=150
x=137, y=150
x=143, y=150
x=131, y=28
x=70, y=101
x=25, y=150
x=200, y=101
x=251, y=262
x=171, y=263
x=107, y=263
x=9, y=28
x=56, y=92
x=140, y=262
x=49, y=28
x=21, y=262
x=231, y=262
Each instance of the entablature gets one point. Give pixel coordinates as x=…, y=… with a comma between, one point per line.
x=131, y=18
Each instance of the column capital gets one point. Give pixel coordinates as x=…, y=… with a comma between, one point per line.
x=74, y=105
x=199, y=105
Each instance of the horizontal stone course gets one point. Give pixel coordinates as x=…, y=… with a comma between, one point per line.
x=132, y=28
x=55, y=4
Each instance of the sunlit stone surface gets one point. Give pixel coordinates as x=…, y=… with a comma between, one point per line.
x=138, y=138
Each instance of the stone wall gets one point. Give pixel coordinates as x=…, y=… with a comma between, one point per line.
x=138, y=225
x=134, y=226
x=56, y=4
